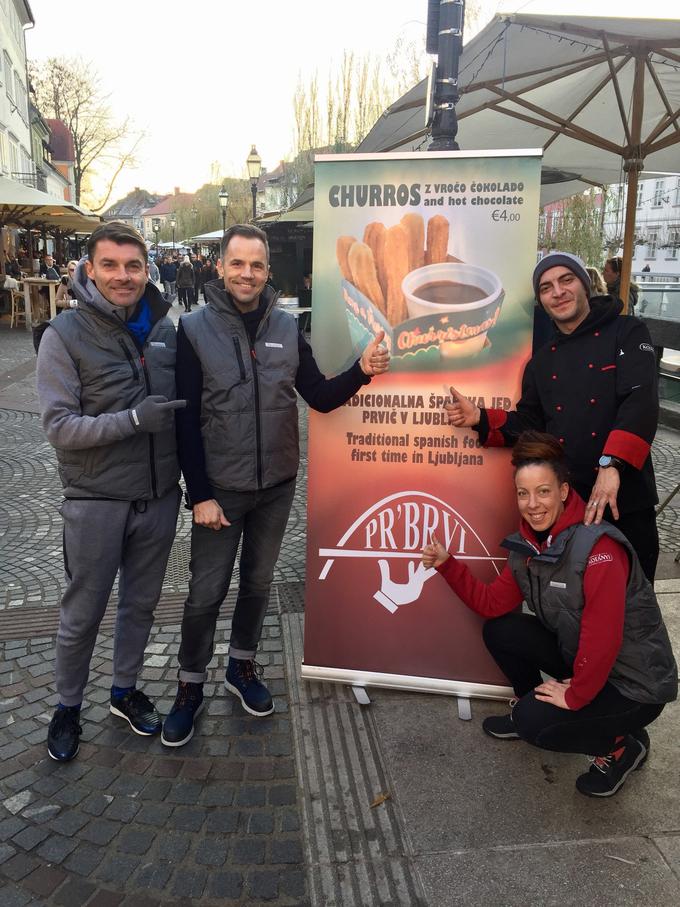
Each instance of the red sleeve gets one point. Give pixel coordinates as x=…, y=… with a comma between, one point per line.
x=601, y=634
x=499, y=597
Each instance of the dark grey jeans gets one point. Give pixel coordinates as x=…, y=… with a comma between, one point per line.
x=258, y=518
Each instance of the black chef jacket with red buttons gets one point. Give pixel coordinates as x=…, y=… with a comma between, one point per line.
x=596, y=391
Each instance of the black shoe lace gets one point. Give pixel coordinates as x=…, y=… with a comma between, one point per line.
x=65, y=720
x=186, y=693
x=250, y=670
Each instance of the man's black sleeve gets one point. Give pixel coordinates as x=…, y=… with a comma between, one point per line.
x=189, y=376
x=325, y=394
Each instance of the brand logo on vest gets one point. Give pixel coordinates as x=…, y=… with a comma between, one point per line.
x=602, y=558
x=394, y=530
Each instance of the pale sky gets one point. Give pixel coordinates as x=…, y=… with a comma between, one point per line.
x=207, y=80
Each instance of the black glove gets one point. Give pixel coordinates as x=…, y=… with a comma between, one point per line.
x=155, y=413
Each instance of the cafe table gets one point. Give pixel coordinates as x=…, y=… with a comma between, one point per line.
x=39, y=282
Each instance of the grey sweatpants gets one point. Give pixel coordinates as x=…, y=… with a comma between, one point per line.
x=100, y=538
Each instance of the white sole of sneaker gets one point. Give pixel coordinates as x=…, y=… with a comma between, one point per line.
x=119, y=714
x=56, y=759
x=189, y=735
x=250, y=711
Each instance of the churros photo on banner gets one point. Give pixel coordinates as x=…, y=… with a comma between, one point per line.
x=433, y=253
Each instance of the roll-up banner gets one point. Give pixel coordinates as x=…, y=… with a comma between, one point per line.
x=436, y=251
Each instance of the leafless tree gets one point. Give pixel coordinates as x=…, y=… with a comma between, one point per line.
x=66, y=89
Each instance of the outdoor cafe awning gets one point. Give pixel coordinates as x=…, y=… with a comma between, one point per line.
x=22, y=206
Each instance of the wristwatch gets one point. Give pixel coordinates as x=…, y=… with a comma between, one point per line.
x=606, y=461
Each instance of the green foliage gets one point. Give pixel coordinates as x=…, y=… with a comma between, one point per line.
x=578, y=229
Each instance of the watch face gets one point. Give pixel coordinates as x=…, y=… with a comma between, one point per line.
x=605, y=461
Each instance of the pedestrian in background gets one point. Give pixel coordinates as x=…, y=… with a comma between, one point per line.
x=168, y=272
x=185, y=283
x=612, y=277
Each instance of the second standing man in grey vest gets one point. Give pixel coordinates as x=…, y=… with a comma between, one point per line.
x=240, y=362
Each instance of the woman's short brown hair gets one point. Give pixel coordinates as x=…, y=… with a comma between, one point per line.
x=537, y=448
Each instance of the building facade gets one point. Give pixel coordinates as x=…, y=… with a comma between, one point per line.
x=16, y=161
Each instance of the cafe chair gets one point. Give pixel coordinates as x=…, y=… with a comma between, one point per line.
x=18, y=308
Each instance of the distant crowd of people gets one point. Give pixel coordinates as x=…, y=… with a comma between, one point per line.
x=183, y=277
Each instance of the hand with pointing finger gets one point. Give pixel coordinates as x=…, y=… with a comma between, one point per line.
x=461, y=412
x=375, y=359
x=155, y=413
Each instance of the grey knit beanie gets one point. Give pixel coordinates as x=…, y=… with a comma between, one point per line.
x=567, y=260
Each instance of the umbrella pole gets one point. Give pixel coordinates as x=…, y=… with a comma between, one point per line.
x=633, y=165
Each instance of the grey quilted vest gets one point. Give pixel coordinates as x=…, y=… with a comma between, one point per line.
x=249, y=419
x=114, y=378
x=552, y=585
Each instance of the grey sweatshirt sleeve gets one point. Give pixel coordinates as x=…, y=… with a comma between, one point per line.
x=59, y=393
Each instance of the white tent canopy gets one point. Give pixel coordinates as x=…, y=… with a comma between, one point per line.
x=22, y=206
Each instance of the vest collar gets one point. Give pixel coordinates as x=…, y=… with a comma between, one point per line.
x=222, y=302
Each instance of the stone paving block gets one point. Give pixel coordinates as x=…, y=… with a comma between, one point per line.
x=251, y=795
x=6, y=851
x=227, y=770
x=103, y=898
x=14, y=897
x=154, y=814
x=74, y=893
x=174, y=846
x=56, y=848
x=226, y=885
x=69, y=823
x=84, y=859
x=41, y=812
x=10, y=827
x=217, y=794
x=122, y=809
x=96, y=803
x=44, y=880
x=261, y=822
x=48, y=786
x=154, y=874
x=185, y=792
x=292, y=883
x=30, y=837
x=223, y=821
x=290, y=821
x=282, y=794
x=72, y=795
x=285, y=851
x=263, y=884
x=211, y=852
x=135, y=841
x=189, y=883
x=247, y=851
x=117, y=869
x=187, y=818
x=19, y=866
x=99, y=831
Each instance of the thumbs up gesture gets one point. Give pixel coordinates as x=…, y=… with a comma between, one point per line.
x=375, y=359
x=461, y=412
x=434, y=554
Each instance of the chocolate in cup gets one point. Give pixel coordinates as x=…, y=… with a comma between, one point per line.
x=468, y=298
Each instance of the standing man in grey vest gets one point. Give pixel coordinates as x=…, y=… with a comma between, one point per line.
x=240, y=362
x=106, y=381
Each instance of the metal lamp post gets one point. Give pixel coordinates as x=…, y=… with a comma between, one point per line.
x=156, y=227
x=173, y=224
x=223, y=196
x=254, y=165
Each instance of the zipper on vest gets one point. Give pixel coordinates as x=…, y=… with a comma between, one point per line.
x=152, y=447
x=131, y=361
x=239, y=358
x=258, y=434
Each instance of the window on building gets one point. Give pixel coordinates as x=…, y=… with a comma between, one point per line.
x=20, y=97
x=26, y=162
x=658, y=194
x=640, y=195
x=673, y=243
x=4, y=152
x=13, y=155
x=652, y=243
x=676, y=194
x=9, y=77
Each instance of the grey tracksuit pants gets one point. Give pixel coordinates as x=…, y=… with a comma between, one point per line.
x=101, y=538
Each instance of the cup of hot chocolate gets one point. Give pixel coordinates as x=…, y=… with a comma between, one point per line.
x=463, y=301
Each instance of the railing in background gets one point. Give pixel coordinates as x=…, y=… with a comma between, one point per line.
x=34, y=180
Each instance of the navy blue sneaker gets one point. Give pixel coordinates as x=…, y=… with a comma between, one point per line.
x=243, y=679
x=178, y=727
x=138, y=711
x=608, y=773
x=63, y=735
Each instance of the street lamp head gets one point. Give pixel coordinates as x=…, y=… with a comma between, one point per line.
x=254, y=165
x=223, y=196
x=173, y=221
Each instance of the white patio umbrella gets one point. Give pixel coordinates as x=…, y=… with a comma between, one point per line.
x=601, y=96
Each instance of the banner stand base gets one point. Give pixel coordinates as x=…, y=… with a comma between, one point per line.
x=464, y=708
x=415, y=684
x=361, y=695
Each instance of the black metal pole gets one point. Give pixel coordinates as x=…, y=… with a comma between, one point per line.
x=449, y=48
x=224, y=221
x=253, y=189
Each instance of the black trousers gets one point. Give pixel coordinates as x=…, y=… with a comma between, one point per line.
x=640, y=529
x=522, y=647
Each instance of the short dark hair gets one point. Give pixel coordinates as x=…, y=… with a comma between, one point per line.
x=118, y=232
x=246, y=230
x=537, y=448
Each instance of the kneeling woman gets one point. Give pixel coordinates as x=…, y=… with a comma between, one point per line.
x=595, y=626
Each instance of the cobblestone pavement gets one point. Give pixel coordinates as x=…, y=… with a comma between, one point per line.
x=128, y=822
